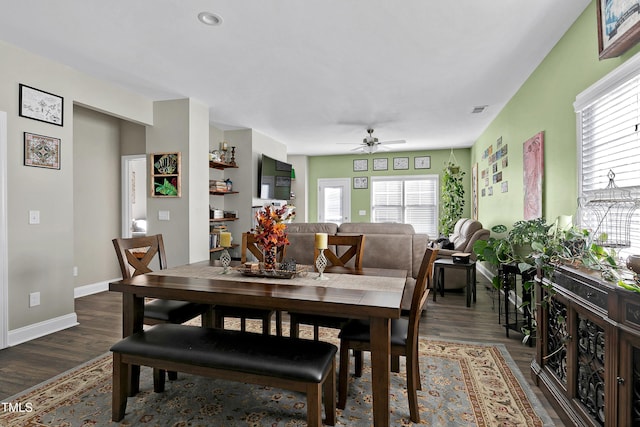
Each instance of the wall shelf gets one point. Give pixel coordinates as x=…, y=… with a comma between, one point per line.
x=220, y=165
x=222, y=193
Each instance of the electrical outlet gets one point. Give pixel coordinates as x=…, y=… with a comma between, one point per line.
x=34, y=299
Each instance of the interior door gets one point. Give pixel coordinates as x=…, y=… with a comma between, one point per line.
x=334, y=200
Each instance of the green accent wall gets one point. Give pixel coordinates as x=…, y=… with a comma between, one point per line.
x=545, y=103
x=342, y=167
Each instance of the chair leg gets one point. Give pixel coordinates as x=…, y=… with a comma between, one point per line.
x=294, y=327
x=343, y=380
x=173, y=375
x=357, y=355
x=330, y=396
x=279, y=323
x=266, y=325
x=135, y=380
x=158, y=380
x=412, y=395
x=243, y=325
x=316, y=332
x=395, y=363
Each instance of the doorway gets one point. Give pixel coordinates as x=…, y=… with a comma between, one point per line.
x=334, y=200
x=4, y=254
x=134, y=195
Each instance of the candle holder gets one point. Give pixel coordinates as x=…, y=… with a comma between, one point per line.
x=225, y=260
x=232, y=162
x=321, y=264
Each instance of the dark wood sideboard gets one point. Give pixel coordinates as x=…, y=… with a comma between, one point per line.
x=588, y=349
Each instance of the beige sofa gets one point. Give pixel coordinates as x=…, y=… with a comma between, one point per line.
x=465, y=234
x=395, y=246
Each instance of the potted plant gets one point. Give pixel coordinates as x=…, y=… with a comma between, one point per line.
x=452, y=197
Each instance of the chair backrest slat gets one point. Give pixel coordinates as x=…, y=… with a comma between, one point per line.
x=136, y=254
x=354, y=250
x=250, y=244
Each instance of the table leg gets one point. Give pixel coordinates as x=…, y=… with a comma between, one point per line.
x=436, y=283
x=473, y=281
x=380, y=332
x=469, y=287
x=132, y=322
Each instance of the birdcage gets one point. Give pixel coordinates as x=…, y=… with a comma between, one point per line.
x=607, y=213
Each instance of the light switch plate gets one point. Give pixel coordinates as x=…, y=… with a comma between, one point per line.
x=362, y=213
x=34, y=217
x=164, y=216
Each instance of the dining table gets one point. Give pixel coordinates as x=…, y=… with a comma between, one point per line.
x=373, y=294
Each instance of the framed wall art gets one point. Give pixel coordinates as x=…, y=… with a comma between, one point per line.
x=360, y=182
x=533, y=161
x=39, y=105
x=400, y=163
x=165, y=175
x=360, y=165
x=618, y=26
x=41, y=151
x=380, y=164
x=422, y=162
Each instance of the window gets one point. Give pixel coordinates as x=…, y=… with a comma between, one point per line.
x=608, y=115
x=408, y=200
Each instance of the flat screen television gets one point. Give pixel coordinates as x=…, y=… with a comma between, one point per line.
x=275, y=179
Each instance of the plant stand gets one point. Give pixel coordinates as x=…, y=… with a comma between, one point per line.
x=514, y=311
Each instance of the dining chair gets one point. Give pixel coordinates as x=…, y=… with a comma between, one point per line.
x=249, y=244
x=347, y=248
x=135, y=256
x=404, y=340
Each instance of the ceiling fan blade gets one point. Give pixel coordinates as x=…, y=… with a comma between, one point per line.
x=398, y=141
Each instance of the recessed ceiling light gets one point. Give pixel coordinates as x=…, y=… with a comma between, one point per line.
x=209, y=18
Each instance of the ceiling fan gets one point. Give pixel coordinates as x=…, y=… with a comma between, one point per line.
x=370, y=144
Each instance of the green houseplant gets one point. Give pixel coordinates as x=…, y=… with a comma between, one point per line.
x=452, y=197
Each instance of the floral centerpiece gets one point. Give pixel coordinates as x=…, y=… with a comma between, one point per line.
x=270, y=232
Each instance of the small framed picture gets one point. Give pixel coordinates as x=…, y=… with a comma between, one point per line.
x=400, y=163
x=380, y=164
x=360, y=165
x=39, y=105
x=41, y=151
x=422, y=162
x=360, y=182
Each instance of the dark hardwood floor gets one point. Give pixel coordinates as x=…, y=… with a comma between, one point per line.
x=100, y=319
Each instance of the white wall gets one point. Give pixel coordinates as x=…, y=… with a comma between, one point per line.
x=41, y=257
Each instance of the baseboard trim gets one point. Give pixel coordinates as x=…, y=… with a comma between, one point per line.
x=37, y=330
x=93, y=288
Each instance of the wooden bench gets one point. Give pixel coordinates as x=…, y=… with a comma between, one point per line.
x=289, y=363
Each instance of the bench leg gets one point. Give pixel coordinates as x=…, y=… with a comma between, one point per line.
x=294, y=327
x=314, y=405
x=330, y=396
x=134, y=386
x=119, y=388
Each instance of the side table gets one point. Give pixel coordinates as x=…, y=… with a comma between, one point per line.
x=440, y=265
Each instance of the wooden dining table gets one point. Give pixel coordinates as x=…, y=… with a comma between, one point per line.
x=371, y=293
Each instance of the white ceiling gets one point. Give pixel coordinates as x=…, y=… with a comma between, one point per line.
x=309, y=73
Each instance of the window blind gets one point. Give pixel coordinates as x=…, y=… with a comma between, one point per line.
x=408, y=200
x=609, y=140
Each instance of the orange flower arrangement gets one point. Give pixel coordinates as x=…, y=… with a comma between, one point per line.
x=271, y=229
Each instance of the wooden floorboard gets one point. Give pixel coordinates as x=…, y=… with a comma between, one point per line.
x=100, y=321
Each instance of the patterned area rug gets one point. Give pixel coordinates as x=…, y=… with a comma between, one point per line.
x=463, y=383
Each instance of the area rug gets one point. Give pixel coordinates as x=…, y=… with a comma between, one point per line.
x=463, y=383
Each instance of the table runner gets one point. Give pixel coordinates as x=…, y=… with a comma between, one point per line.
x=344, y=281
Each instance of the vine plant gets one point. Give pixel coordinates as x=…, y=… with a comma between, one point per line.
x=452, y=197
